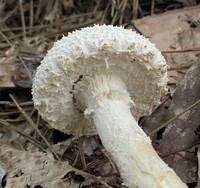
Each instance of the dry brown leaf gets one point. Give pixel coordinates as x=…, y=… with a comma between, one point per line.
x=8, y=71
x=167, y=26
x=33, y=169
x=40, y=169
x=172, y=31
x=180, y=134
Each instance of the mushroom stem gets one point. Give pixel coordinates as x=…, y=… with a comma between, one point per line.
x=108, y=103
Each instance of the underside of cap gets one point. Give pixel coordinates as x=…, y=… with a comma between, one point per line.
x=93, y=50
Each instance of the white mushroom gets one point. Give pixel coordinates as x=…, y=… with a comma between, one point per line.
x=101, y=79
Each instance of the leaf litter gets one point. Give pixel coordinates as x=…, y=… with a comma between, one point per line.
x=28, y=30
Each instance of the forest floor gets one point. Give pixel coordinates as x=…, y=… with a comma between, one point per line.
x=34, y=155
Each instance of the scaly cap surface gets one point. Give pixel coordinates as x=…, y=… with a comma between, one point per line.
x=97, y=49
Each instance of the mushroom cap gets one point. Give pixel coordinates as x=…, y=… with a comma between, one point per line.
x=97, y=49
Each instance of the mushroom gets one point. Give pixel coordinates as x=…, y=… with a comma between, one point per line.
x=100, y=80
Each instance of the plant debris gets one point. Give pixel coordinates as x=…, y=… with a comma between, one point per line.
x=28, y=30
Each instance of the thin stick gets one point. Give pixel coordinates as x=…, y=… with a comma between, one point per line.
x=116, y=13
x=106, y=154
x=15, y=112
x=80, y=145
x=127, y=20
x=10, y=104
x=31, y=16
x=22, y=61
x=6, y=39
x=135, y=8
x=22, y=18
x=171, y=120
x=9, y=126
x=186, y=66
x=76, y=159
x=181, y=149
x=9, y=14
x=152, y=7
x=181, y=50
x=98, y=179
x=34, y=126
x=122, y=9
x=155, y=109
x=68, y=20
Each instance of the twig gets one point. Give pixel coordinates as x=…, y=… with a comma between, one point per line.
x=181, y=149
x=31, y=16
x=22, y=18
x=190, y=19
x=76, y=159
x=127, y=20
x=80, y=145
x=98, y=179
x=122, y=9
x=135, y=8
x=171, y=120
x=181, y=50
x=29, y=138
x=152, y=7
x=178, y=67
x=6, y=39
x=72, y=27
x=28, y=72
x=167, y=97
x=14, y=112
x=98, y=162
x=105, y=13
x=34, y=126
x=8, y=103
x=67, y=20
x=106, y=154
x=9, y=14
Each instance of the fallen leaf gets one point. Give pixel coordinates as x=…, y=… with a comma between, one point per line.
x=39, y=169
x=180, y=134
